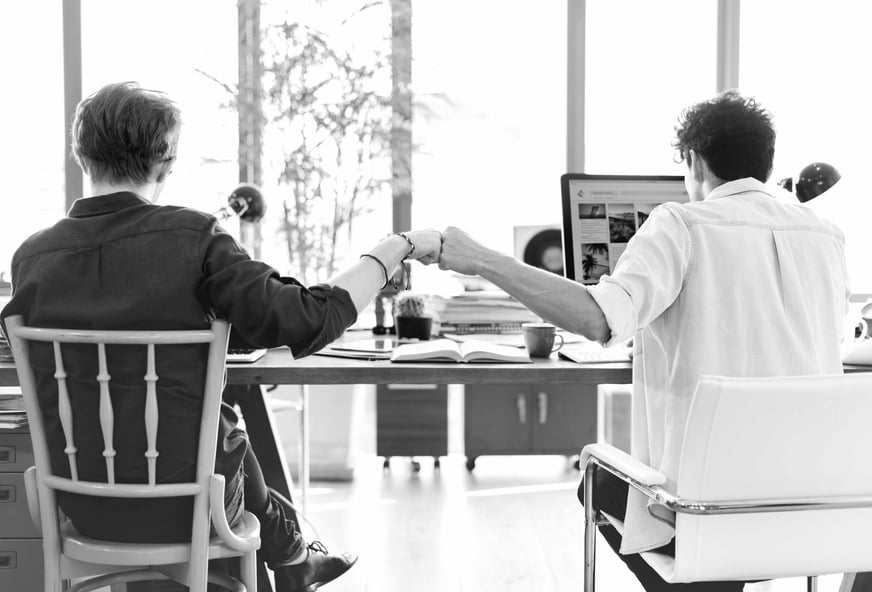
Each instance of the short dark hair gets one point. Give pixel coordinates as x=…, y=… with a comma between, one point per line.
x=122, y=130
x=732, y=133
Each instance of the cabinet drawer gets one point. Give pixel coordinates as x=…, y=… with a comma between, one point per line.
x=412, y=420
x=16, y=453
x=14, y=514
x=21, y=564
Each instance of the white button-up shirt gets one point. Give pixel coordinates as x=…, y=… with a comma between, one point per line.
x=740, y=284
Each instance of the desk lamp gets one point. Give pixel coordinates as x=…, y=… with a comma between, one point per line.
x=246, y=201
x=812, y=181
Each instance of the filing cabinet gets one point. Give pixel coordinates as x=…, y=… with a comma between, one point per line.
x=528, y=419
x=412, y=420
x=20, y=542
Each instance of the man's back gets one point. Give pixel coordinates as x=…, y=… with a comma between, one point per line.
x=121, y=263
x=737, y=285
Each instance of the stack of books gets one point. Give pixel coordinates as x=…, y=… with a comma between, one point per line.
x=5, y=351
x=486, y=311
x=12, y=413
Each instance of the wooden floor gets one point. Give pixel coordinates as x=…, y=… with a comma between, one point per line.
x=513, y=524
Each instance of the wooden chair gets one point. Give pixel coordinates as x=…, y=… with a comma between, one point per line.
x=70, y=555
x=774, y=481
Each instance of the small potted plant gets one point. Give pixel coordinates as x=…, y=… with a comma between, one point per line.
x=410, y=317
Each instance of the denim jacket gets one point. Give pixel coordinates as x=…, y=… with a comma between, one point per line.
x=119, y=262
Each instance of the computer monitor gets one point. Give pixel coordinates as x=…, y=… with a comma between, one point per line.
x=601, y=213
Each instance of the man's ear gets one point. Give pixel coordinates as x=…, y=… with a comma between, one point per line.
x=161, y=171
x=698, y=166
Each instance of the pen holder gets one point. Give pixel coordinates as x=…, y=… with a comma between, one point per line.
x=413, y=327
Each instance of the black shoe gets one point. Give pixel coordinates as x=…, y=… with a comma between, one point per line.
x=319, y=569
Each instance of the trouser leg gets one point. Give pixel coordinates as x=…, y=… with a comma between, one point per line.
x=280, y=536
x=610, y=496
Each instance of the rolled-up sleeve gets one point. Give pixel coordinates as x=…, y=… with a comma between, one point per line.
x=267, y=309
x=648, y=277
x=617, y=308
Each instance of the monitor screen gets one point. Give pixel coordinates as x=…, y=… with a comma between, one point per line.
x=601, y=213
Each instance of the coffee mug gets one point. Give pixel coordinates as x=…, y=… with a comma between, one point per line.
x=539, y=339
x=855, y=329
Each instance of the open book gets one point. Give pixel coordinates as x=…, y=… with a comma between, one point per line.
x=446, y=350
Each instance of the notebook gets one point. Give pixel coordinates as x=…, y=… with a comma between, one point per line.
x=240, y=355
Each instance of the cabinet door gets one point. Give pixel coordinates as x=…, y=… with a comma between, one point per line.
x=497, y=419
x=563, y=417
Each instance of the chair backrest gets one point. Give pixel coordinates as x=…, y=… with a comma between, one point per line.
x=768, y=439
x=48, y=483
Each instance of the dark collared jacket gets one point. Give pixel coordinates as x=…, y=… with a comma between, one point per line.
x=120, y=262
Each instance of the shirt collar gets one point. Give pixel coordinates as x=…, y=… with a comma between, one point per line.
x=86, y=207
x=738, y=186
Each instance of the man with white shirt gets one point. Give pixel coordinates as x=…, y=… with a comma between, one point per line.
x=734, y=283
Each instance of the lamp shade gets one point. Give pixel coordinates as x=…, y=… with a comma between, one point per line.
x=247, y=202
x=814, y=180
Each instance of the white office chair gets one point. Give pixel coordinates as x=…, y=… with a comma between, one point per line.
x=775, y=480
x=69, y=555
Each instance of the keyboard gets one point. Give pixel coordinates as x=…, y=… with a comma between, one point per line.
x=238, y=355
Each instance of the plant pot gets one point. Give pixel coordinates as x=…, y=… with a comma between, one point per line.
x=414, y=327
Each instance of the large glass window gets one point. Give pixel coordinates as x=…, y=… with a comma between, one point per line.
x=490, y=127
x=806, y=62
x=645, y=62
x=32, y=111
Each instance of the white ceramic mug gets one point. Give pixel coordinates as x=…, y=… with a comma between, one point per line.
x=851, y=324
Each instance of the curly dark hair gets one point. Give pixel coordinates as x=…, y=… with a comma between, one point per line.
x=732, y=133
x=121, y=131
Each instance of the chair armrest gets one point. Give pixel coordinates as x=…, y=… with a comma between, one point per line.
x=610, y=457
x=219, y=518
x=32, y=493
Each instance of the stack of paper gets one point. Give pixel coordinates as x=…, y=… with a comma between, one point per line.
x=5, y=351
x=12, y=414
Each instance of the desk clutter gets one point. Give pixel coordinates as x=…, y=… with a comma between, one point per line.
x=12, y=413
x=5, y=350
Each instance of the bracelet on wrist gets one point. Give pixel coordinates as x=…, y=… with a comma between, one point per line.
x=408, y=240
x=381, y=264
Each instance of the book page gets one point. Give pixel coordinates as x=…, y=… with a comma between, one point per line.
x=437, y=350
x=485, y=351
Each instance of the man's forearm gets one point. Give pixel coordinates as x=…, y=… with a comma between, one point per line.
x=556, y=299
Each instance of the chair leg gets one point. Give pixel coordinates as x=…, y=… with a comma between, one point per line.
x=248, y=571
x=811, y=584
x=589, y=528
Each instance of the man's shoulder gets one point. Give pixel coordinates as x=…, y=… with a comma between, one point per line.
x=178, y=216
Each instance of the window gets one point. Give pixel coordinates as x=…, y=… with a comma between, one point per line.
x=491, y=142
x=806, y=63
x=645, y=62
x=32, y=107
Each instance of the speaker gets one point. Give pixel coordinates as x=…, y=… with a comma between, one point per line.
x=540, y=246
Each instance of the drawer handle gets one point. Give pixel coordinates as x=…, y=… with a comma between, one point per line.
x=7, y=454
x=8, y=560
x=7, y=493
x=543, y=408
x=521, y=400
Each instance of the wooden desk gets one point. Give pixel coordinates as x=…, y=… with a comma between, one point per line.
x=277, y=367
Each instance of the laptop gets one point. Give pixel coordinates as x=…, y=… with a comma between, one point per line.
x=601, y=213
